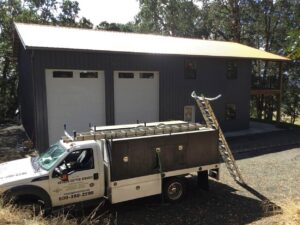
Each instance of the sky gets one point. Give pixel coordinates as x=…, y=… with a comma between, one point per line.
x=112, y=11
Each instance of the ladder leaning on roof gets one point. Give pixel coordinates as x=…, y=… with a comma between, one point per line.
x=212, y=122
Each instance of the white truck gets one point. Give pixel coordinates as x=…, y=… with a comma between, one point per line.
x=120, y=163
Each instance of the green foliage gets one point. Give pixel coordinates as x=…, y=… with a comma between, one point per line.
x=293, y=48
x=27, y=11
x=128, y=27
x=85, y=23
x=169, y=17
x=291, y=103
x=69, y=13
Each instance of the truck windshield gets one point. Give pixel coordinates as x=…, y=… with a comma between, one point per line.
x=47, y=159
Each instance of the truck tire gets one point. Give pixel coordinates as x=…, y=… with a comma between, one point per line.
x=29, y=197
x=174, y=189
x=35, y=206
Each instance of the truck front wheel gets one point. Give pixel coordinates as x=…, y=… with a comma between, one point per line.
x=34, y=204
x=174, y=189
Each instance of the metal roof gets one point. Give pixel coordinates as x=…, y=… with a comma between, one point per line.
x=35, y=36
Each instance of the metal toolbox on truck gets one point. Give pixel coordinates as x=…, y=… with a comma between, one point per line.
x=146, y=155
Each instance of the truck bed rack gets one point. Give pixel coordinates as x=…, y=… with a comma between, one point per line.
x=136, y=130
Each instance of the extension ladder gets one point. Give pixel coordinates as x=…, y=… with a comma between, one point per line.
x=212, y=122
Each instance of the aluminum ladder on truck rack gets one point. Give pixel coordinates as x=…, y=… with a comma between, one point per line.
x=212, y=122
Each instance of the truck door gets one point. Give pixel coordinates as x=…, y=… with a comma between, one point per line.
x=77, y=178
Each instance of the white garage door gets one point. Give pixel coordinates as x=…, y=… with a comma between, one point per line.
x=75, y=98
x=136, y=96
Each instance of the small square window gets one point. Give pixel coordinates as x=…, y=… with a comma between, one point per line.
x=62, y=74
x=232, y=70
x=147, y=75
x=126, y=75
x=230, y=113
x=88, y=74
x=190, y=69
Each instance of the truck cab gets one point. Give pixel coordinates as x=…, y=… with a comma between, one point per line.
x=66, y=173
x=78, y=175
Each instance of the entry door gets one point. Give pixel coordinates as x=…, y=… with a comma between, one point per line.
x=136, y=96
x=75, y=98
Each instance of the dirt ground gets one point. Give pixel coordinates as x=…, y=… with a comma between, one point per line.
x=11, y=138
x=275, y=175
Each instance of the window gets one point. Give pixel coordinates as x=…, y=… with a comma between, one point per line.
x=230, y=112
x=232, y=70
x=47, y=159
x=88, y=74
x=62, y=74
x=77, y=160
x=126, y=75
x=147, y=75
x=190, y=69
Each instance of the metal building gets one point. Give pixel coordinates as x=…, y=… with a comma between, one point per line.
x=76, y=76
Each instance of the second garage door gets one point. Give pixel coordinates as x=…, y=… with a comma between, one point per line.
x=136, y=96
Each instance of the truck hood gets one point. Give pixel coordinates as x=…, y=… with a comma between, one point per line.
x=18, y=172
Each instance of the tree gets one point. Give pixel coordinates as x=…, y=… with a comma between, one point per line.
x=168, y=17
x=293, y=48
x=69, y=13
x=27, y=11
x=222, y=19
x=128, y=27
x=9, y=11
x=85, y=23
x=43, y=10
x=291, y=105
x=292, y=85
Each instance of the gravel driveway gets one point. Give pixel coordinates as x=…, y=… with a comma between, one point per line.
x=274, y=175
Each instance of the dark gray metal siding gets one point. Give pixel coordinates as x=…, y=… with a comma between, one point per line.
x=26, y=92
x=174, y=89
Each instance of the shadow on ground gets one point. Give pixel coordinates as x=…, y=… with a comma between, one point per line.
x=220, y=205
x=263, y=151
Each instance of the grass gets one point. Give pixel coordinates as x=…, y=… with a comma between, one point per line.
x=290, y=213
x=20, y=216
x=297, y=121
